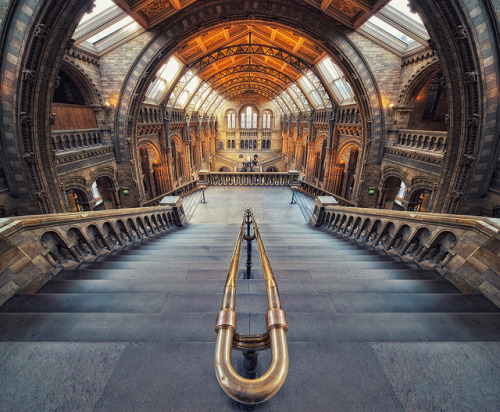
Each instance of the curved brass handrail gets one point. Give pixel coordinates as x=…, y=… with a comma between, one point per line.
x=251, y=391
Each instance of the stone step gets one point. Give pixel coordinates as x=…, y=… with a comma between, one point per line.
x=199, y=327
x=249, y=303
x=108, y=284
x=290, y=256
x=222, y=263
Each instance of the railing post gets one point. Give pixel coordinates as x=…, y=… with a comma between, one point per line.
x=249, y=245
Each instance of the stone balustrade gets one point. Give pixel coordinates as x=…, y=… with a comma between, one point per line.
x=35, y=248
x=315, y=191
x=431, y=141
x=66, y=140
x=247, y=178
x=181, y=191
x=464, y=249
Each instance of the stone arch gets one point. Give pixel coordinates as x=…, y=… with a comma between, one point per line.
x=339, y=47
x=90, y=91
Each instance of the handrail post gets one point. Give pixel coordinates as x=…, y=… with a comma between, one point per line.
x=249, y=244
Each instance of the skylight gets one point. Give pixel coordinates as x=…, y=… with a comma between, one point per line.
x=188, y=92
x=166, y=75
x=335, y=81
x=402, y=6
x=390, y=29
x=120, y=24
x=308, y=87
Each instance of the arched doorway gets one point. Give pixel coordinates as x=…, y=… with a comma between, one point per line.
x=76, y=200
x=420, y=200
x=152, y=174
x=104, y=189
x=393, y=194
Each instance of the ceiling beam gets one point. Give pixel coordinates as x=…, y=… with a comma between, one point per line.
x=325, y=4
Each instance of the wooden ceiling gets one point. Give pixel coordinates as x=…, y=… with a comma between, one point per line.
x=216, y=56
x=352, y=13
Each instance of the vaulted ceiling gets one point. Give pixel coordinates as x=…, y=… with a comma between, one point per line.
x=252, y=56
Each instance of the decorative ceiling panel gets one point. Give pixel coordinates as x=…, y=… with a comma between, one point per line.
x=352, y=13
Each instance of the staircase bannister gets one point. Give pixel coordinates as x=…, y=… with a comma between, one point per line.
x=35, y=248
x=314, y=191
x=243, y=390
x=182, y=191
x=464, y=249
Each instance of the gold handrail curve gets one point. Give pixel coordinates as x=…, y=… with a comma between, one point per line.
x=243, y=390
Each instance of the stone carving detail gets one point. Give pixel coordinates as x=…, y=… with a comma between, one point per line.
x=471, y=77
x=70, y=44
x=40, y=195
x=468, y=159
x=40, y=31
x=29, y=157
x=24, y=118
x=90, y=8
x=460, y=33
x=456, y=194
x=474, y=120
x=29, y=75
x=57, y=82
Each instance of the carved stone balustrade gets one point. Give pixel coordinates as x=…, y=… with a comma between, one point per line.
x=422, y=140
x=248, y=178
x=464, y=249
x=35, y=248
x=68, y=140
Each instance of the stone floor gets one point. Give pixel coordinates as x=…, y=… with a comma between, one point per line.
x=134, y=332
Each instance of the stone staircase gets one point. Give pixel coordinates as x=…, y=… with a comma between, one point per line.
x=135, y=331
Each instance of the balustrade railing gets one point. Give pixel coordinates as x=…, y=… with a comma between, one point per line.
x=183, y=190
x=314, y=191
x=66, y=140
x=247, y=179
x=38, y=247
x=431, y=141
x=464, y=249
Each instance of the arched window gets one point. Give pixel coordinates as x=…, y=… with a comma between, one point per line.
x=248, y=119
x=231, y=120
x=266, y=120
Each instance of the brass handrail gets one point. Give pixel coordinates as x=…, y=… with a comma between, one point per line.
x=243, y=390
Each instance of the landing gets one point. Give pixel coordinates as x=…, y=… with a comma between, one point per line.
x=225, y=205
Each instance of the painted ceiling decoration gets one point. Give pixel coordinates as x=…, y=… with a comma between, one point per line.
x=352, y=13
x=273, y=61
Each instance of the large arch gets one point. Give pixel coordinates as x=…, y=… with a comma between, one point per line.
x=311, y=24
x=33, y=67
